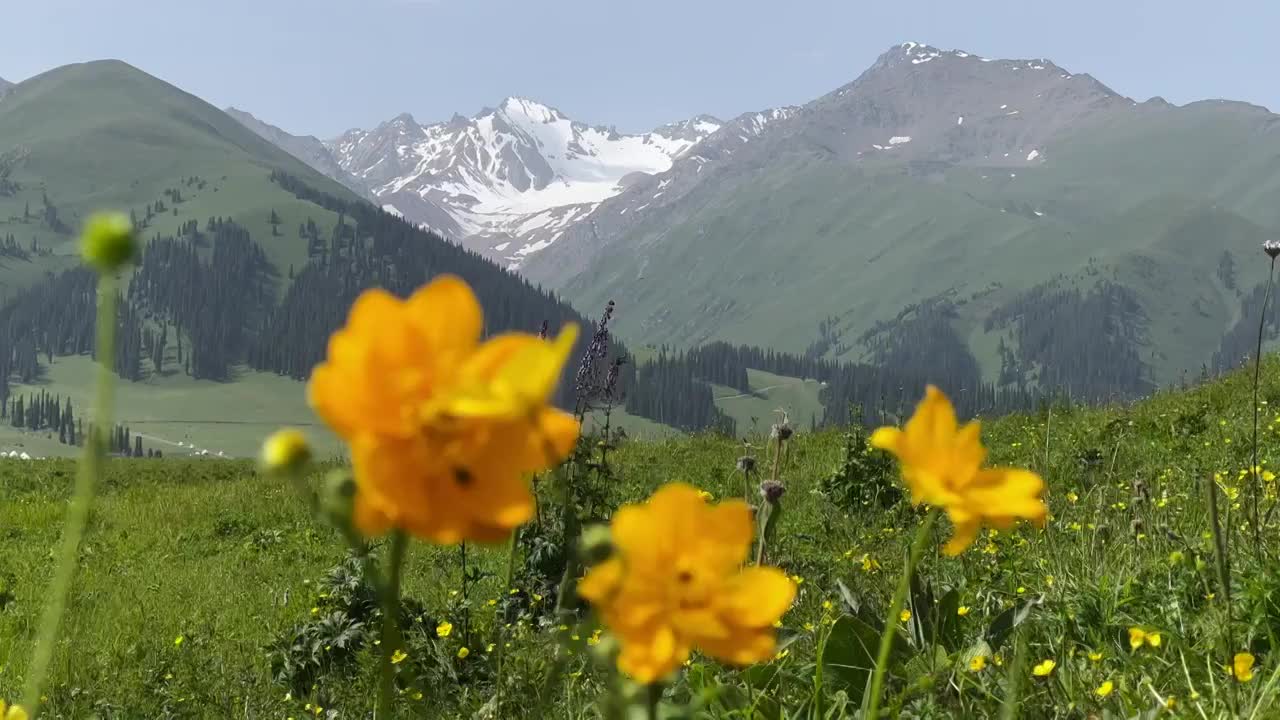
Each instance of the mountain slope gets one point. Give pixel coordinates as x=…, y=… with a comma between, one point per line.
x=979, y=198
x=251, y=260
x=308, y=149
x=507, y=181
x=105, y=134
x=4, y=86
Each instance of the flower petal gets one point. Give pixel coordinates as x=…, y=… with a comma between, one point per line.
x=758, y=596
x=447, y=314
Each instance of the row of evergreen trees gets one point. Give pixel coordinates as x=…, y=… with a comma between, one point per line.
x=43, y=411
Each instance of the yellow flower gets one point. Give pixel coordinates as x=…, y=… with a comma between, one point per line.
x=444, y=628
x=285, y=450
x=676, y=582
x=398, y=657
x=977, y=663
x=12, y=712
x=962, y=610
x=1095, y=656
x=1171, y=702
x=1242, y=667
x=1072, y=497
x=1138, y=637
x=1044, y=668
x=463, y=652
x=942, y=466
x=706, y=495
x=869, y=564
x=1105, y=689
x=905, y=615
x=443, y=428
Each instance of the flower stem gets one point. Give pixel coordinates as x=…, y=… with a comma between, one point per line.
x=499, y=623
x=86, y=478
x=391, y=621
x=1254, y=470
x=653, y=698
x=872, y=700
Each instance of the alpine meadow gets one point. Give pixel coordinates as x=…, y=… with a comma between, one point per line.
x=946, y=393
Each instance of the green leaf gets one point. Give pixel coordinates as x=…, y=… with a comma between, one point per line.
x=1006, y=621
x=947, y=621
x=850, y=655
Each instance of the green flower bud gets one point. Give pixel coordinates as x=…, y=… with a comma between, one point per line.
x=338, y=497
x=108, y=243
x=596, y=544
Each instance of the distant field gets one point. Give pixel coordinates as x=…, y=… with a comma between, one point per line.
x=228, y=418
x=770, y=393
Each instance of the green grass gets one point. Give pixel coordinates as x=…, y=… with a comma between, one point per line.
x=231, y=418
x=228, y=560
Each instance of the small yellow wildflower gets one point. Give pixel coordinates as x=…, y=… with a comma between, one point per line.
x=797, y=580
x=781, y=654
x=869, y=564
x=977, y=663
x=177, y=642
x=444, y=628
x=1044, y=668
x=398, y=657
x=417, y=695
x=1095, y=656
x=904, y=616
x=1139, y=637
x=706, y=495
x=463, y=652
x=1242, y=667
x=12, y=712
x=1072, y=497
x=826, y=605
x=962, y=610
x=1171, y=702
x=491, y=602
x=1105, y=689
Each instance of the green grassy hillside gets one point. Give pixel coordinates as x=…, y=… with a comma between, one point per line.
x=106, y=135
x=192, y=570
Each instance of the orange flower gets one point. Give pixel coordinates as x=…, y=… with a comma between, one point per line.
x=942, y=465
x=443, y=428
x=676, y=581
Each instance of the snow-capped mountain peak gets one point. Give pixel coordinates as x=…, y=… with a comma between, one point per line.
x=509, y=175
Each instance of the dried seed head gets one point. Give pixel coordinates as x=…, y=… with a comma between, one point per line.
x=772, y=491
x=746, y=464
x=1271, y=248
x=782, y=431
x=1136, y=526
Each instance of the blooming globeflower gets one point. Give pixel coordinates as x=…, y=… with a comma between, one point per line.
x=942, y=465
x=676, y=581
x=443, y=427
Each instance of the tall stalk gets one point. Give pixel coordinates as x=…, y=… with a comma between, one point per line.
x=872, y=700
x=391, y=622
x=87, y=478
x=1254, y=470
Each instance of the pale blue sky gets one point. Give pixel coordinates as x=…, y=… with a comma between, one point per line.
x=322, y=66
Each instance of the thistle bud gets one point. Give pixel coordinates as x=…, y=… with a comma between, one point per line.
x=772, y=491
x=285, y=451
x=108, y=243
x=781, y=432
x=1271, y=248
x=746, y=464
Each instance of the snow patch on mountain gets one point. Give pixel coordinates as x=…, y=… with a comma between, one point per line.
x=511, y=175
